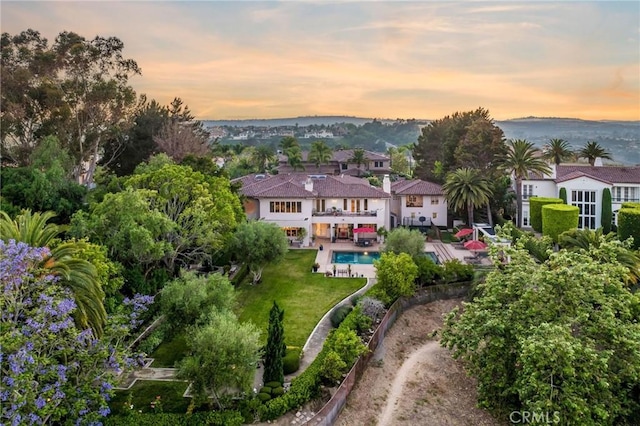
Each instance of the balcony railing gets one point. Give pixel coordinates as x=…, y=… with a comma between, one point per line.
x=339, y=212
x=415, y=221
x=626, y=200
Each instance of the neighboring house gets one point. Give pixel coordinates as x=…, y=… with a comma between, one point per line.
x=339, y=164
x=584, y=185
x=416, y=199
x=325, y=206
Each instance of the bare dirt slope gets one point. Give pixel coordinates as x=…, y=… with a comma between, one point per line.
x=413, y=381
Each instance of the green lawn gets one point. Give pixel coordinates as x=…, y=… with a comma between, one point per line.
x=169, y=352
x=146, y=391
x=304, y=296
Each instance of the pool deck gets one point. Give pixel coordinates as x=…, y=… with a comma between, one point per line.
x=444, y=252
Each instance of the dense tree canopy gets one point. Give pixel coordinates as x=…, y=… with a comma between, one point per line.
x=396, y=275
x=468, y=139
x=562, y=336
x=76, y=89
x=403, y=240
x=259, y=243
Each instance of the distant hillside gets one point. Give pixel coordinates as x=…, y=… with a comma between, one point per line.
x=299, y=121
x=621, y=138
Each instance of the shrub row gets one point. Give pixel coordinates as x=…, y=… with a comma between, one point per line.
x=535, y=210
x=306, y=386
x=629, y=223
x=240, y=275
x=339, y=314
x=213, y=418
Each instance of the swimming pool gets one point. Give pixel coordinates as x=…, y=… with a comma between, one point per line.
x=367, y=257
x=433, y=256
x=355, y=257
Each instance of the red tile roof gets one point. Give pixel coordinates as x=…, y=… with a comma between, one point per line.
x=610, y=174
x=292, y=185
x=416, y=187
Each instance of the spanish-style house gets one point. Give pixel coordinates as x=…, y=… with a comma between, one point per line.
x=584, y=185
x=340, y=164
x=417, y=203
x=325, y=206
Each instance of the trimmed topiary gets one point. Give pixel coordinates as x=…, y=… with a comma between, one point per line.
x=339, y=314
x=277, y=391
x=272, y=385
x=607, y=215
x=291, y=360
x=264, y=397
x=557, y=218
x=267, y=389
x=535, y=210
x=629, y=224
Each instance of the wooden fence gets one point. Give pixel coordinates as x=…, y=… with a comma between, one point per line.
x=329, y=412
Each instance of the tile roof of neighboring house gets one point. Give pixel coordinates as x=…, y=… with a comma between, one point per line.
x=341, y=156
x=416, y=187
x=345, y=155
x=292, y=185
x=612, y=174
x=608, y=174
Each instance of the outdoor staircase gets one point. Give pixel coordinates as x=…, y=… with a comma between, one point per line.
x=443, y=252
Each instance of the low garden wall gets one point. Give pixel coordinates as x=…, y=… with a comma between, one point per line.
x=329, y=412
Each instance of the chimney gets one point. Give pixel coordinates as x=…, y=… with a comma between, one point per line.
x=386, y=184
x=553, y=173
x=598, y=162
x=308, y=185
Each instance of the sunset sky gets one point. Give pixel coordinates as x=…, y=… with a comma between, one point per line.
x=385, y=59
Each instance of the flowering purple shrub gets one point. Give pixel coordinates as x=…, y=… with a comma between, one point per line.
x=52, y=372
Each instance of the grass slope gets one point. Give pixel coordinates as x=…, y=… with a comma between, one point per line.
x=304, y=296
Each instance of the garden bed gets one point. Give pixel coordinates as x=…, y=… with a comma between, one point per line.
x=144, y=392
x=169, y=352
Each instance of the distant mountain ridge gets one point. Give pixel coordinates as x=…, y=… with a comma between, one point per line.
x=309, y=120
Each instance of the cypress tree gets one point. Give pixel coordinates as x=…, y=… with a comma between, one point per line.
x=275, y=349
x=607, y=214
x=563, y=195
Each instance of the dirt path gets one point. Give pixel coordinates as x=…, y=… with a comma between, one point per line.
x=413, y=381
x=398, y=383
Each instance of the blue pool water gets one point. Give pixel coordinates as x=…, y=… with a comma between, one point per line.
x=367, y=257
x=433, y=257
x=355, y=257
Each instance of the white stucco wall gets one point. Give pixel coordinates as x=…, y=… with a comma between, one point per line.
x=426, y=210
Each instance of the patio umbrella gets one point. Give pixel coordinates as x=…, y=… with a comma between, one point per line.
x=475, y=245
x=463, y=233
x=358, y=230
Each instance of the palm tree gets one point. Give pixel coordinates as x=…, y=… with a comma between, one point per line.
x=262, y=156
x=466, y=188
x=585, y=239
x=557, y=150
x=358, y=158
x=320, y=153
x=294, y=158
x=79, y=275
x=288, y=142
x=593, y=150
x=521, y=159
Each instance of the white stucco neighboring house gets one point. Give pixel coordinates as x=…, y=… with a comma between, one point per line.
x=325, y=206
x=584, y=185
x=416, y=199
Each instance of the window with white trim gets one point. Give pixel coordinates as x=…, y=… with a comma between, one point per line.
x=285, y=206
x=623, y=194
x=527, y=191
x=586, y=202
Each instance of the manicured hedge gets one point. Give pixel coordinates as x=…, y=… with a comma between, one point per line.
x=607, y=214
x=629, y=224
x=291, y=360
x=557, y=218
x=630, y=205
x=535, y=210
